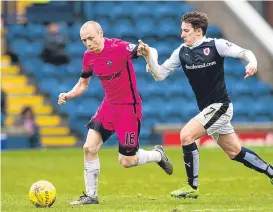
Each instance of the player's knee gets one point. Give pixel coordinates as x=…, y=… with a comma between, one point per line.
x=185, y=137
x=90, y=150
x=232, y=153
x=128, y=161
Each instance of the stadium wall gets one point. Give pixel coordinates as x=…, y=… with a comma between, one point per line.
x=236, y=30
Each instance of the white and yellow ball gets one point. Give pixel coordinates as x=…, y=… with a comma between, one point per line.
x=42, y=194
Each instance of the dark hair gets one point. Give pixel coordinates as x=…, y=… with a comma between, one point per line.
x=27, y=109
x=197, y=20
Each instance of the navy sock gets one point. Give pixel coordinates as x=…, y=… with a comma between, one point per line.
x=252, y=160
x=191, y=160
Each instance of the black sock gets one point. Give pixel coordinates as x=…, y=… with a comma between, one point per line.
x=191, y=159
x=253, y=161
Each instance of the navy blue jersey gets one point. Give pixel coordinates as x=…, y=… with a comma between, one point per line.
x=203, y=64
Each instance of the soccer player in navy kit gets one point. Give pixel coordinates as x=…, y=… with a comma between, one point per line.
x=202, y=60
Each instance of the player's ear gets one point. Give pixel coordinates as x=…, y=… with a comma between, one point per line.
x=101, y=33
x=199, y=31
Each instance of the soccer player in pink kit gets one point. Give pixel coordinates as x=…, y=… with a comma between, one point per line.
x=120, y=111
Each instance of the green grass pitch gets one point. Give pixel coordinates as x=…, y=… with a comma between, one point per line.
x=225, y=185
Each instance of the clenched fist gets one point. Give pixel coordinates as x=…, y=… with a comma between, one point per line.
x=62, y=98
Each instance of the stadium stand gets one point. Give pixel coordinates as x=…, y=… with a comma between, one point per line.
x=160, y=28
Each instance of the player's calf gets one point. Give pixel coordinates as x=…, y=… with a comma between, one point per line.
x=251, y=160
x=128, y=161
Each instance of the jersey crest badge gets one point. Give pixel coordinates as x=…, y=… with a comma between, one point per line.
x=206, y=51
x=109, y=63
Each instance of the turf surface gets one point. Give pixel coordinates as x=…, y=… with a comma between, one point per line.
x=225, y=185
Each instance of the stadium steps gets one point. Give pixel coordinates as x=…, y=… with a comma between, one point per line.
x=21, y=9
x=20, y=94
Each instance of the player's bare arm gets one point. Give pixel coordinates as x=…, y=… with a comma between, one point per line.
x=77, y=90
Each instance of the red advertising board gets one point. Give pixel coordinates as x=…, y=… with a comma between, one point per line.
x=246, y=138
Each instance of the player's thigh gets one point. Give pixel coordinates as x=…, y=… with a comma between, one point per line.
x=230, y=144
x=127, y=126
x=93, y=141
x=192, y=131
x=101, y=122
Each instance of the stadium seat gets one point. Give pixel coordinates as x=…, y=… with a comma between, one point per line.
x=124, y=27
x=49, y=84
x=189, y=110
x=35, y=31
x=214, y=32
x=145, y=27
x=102, y=8
x=16, y=31
x=143, y=9
x=76, y=48
x=107, y=26
x=167, y=27
x=122, y=9
x=74, y=31
x=262, y=88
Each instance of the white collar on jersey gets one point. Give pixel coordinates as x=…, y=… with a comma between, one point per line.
x=198, y=42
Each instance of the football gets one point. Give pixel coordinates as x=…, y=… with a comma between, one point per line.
x=42, y=194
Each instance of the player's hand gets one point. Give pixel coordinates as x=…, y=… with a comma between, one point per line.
x=143, y=49
x=62, y=98
x=250, y=70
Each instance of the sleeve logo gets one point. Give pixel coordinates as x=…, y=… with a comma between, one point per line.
x=130, y=47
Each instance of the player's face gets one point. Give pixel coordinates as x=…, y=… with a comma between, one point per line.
x=92, y=38
x=189, y=34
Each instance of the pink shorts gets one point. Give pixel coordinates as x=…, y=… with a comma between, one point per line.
x=123, y=119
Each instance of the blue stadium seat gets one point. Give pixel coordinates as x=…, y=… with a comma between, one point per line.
x=122, y=9
x=242, y=89
x=16, y=31
x=49, y=84
x=239, y=109
x=168, y=27
x=187, y=8
x=35, y=31
x=145, y=27
x=107, y=26
x=78, y=123
x=177, y=87
x=49, y=70
x=263, y=118
x=74, y=31
x=102, y=8
x=262, y=88
x=68, y=107
x=214, y=31
x=87, y=107
x=124, y=27
x=164, y=51
x=76, y=49
x=172, y=112
x=241, y=119
x=189, y=110
x=143, y=9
